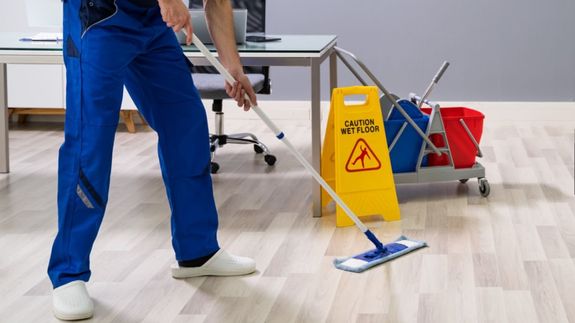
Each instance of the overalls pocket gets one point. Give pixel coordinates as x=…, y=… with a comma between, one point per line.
x=92, y=12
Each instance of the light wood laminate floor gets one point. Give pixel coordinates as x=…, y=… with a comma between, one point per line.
x=508, y=258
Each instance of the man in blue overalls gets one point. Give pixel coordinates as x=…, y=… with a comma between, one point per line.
x=109, y=44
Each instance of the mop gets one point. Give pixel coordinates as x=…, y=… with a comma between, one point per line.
x=360, y=262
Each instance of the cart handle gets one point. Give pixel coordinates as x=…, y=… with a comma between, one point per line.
x=479, y=153
x=341, y=52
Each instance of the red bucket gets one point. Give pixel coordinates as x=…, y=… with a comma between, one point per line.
x=462, y=148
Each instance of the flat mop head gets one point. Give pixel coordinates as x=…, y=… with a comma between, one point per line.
x=374, y=257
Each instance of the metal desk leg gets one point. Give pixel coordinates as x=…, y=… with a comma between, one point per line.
x=4, y=159
x=332, y=71
x=316, y=133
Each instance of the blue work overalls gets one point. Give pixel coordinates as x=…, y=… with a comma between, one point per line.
x=109, y=44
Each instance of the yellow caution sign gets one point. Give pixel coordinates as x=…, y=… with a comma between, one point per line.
x=355, y=157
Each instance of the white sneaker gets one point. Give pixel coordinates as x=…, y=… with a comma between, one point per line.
x=72, y=302
x=221, y=264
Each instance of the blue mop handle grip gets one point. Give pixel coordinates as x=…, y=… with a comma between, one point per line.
x=374, y=240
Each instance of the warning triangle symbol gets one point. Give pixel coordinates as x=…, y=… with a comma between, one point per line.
x=362, y=158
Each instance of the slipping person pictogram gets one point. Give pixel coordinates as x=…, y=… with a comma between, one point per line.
x=360, y=151
x=362, y=156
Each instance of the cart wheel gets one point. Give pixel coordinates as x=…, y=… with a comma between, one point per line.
x=215, y=167
x=463, y=181
x=484, y=188
x=258, y=149
x=270, y=159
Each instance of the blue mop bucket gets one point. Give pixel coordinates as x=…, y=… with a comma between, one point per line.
x=406, y=150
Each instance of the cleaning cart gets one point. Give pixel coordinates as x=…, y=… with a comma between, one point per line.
x=427, y=143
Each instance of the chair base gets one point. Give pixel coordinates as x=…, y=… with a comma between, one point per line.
x=220, y=140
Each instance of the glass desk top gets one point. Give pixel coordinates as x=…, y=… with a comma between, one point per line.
x=287, y=44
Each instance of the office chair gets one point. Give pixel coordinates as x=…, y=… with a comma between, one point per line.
x=210, y=85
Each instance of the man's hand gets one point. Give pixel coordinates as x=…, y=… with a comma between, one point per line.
x=220, y=22
x=177, y=16
x=240, y=88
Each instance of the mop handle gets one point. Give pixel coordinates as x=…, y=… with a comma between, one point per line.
x=440, y=72
x=435, y=80
x=280, y=135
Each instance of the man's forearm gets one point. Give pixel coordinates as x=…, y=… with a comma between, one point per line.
x=221, y=25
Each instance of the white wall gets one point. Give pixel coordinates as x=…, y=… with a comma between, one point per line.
x=13, y=17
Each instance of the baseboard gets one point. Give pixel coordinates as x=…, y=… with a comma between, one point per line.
x=300, y=110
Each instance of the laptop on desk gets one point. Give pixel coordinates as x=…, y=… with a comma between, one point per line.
x=201, y=27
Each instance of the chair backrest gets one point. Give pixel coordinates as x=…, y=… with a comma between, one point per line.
x=256, y=24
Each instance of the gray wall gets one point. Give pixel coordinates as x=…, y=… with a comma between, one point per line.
x=516, y=50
